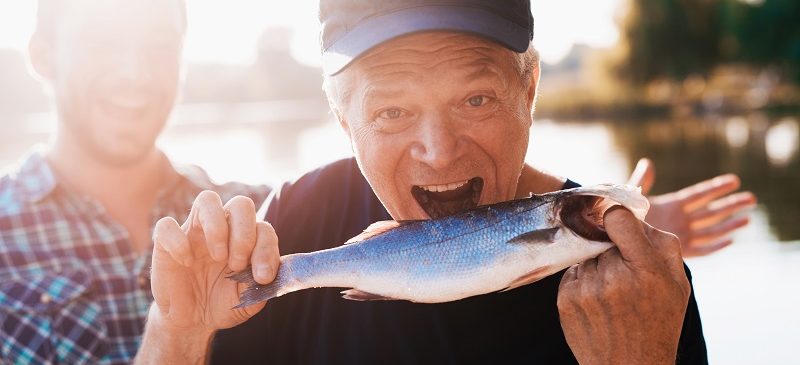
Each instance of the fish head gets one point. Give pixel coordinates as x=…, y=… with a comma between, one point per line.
x=573, y=230
x=580, y=211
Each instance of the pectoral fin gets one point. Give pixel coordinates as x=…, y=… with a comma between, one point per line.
x=528, y=278
x=547, y=235
x=355, y=294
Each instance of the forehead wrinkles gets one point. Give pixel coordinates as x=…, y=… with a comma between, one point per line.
x=417, y=54
x=407, y=59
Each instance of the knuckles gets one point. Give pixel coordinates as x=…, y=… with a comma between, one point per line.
x=241, y=202
x=162, y=226
x=669, y=241
x=206, y=197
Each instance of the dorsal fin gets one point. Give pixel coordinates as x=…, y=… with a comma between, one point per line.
x=373, y=230
x=408, y=221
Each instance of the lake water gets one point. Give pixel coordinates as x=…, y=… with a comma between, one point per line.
x=748, y=294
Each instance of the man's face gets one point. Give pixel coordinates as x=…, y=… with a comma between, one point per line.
x=115, y=68
x=438, y=121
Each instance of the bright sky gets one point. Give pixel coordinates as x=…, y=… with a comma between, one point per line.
x=227, y=31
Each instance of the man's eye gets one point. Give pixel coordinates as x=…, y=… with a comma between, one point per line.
x=393, y=113
x=477, y=100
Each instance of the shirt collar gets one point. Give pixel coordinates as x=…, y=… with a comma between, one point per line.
x=35, y=178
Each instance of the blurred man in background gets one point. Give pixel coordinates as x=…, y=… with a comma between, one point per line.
x=76, y=217
x=432, y=94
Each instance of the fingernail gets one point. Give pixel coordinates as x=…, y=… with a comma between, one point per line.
x=263, y=271
x=220, y=252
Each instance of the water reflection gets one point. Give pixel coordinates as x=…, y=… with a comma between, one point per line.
x=737, y=132
x=763, y=153
x=781, y=141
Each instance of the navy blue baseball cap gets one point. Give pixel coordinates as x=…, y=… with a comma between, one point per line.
x=350, y=28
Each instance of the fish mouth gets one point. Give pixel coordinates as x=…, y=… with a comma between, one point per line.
x=448, y=199
x=583, y=214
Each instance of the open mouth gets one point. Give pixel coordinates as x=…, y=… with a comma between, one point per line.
x=447, y=199
x=583, y=214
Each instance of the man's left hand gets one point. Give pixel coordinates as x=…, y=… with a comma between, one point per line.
x=627, y=305
x=702, y=215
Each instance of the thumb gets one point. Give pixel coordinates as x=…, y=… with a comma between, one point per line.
x=628, y=235
x=644, y=175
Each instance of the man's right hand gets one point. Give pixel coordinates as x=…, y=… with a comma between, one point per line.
x=193, y=297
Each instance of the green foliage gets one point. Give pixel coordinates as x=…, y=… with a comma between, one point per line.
x=769, y=35
x=674, y=39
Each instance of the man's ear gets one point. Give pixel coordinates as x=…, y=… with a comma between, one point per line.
x=533, y=86
x=337, y=113
x=342, y=123
x=40, y=56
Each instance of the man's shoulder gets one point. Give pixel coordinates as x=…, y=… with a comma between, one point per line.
x=28, y=229
x=326, y=205
x=25, y=183
x=10, y=198
x=331, y=179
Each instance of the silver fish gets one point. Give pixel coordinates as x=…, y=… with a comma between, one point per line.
x=487, y=249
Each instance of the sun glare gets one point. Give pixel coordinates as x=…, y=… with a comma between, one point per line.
x=17, y=19
x=560, y=24
x=228, y=31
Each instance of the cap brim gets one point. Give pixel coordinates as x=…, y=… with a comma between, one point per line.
x=379, y=29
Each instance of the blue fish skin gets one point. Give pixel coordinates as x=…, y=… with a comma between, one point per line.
x=475, y=252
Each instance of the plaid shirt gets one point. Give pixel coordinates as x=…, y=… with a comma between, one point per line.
x=72, y=289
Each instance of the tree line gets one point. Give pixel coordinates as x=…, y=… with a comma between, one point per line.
x=674, y=39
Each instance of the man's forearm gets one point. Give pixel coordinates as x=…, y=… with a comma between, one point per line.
x=163, y=344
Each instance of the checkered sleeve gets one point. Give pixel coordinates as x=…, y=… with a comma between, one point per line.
x=47, y=318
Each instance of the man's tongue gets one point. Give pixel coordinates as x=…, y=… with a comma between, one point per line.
x=444, y=203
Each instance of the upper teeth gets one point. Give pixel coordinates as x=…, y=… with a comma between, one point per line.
x=444, y=187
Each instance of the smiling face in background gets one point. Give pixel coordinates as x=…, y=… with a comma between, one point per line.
x=114, y=69
x=438, y=121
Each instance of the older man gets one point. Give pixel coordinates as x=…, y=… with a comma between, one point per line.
x=76, y=216
x=436, y=98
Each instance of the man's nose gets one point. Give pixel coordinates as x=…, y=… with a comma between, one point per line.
x=439, y=143
x=133, y=67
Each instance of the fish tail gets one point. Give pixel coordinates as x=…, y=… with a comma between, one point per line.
x=243, y=277
x=255, y=292
x=259, y=293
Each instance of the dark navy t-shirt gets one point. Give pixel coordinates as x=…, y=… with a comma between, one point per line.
x=328, y=206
